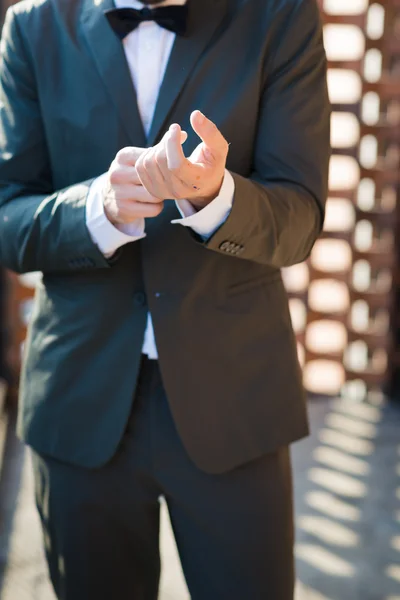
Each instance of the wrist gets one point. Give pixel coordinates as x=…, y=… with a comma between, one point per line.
x=109, y=215
x=109, y=204
x=201, y=202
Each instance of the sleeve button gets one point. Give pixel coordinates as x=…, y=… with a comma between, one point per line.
x=225, y=246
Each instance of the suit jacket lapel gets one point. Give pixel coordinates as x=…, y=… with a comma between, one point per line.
x=108, y=54
x=205, y=16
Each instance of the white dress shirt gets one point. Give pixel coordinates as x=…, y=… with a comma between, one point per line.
x=147, y=51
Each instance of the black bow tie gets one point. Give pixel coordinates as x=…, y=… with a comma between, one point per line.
x=125, y=20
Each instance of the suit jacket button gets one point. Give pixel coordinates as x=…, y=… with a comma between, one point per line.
x=139, y=299
x=225, y=246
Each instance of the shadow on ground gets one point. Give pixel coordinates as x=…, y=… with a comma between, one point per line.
x=348, y=502
x=347, y=482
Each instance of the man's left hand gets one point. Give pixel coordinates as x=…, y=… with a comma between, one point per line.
x=165, y=172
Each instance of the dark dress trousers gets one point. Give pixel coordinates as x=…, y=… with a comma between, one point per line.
x=227, y=352
x=234, y=530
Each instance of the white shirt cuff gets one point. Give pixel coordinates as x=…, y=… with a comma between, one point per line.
x=206, y=221
x=103, y=233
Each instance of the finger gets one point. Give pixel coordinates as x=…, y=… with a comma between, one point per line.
x=142, y=173
x=160, y=186
x=136, y=210
x=177, y=187
x=135, y=193
x=183, y=180
x=183, y=136
x=123, y=174
x=151, y=177
x=210, y=135
x=173, y=145
x=129, y=155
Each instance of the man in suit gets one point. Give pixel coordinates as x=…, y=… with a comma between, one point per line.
x=160, y=360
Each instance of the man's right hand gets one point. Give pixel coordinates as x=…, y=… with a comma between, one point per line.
x=124, y=197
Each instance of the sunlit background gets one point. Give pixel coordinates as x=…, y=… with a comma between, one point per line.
x=343, y=303
x=342, y=300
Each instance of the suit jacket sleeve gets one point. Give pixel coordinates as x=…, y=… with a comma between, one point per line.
x=278, y=211
x=40, y=229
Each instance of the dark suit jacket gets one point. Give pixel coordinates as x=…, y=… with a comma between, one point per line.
x=226, y=346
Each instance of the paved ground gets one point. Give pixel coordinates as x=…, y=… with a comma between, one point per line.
x=347, y=478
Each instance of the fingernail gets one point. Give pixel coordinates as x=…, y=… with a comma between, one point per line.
x=201, y=118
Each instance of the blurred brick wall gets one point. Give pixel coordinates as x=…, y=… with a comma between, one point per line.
x=340, y=298
x=4, y=4
x=12, y=298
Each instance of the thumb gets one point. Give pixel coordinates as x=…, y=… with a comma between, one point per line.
x=209, y=134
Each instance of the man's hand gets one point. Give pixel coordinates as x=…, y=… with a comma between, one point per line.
x=124, y=197
x=166, y=173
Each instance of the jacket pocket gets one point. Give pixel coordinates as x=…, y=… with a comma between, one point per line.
x=256, y=296
x=247, y=285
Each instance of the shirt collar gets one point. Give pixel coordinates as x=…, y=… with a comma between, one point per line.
x=138, y=5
